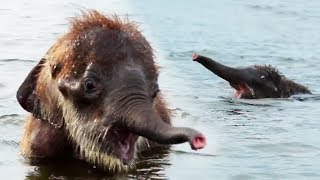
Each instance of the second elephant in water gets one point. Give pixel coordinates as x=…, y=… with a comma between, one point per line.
x=254, y=82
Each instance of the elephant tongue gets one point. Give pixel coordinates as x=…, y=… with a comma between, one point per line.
x=241, y=89
x=126, y=144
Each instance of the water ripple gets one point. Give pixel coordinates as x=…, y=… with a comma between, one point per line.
x=179, y=152
x=9, y=143
x=288, y=147
x=16, y=60
x=284, y=10
x=11, y=119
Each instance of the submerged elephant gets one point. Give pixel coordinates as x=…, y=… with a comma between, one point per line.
x=254, y=82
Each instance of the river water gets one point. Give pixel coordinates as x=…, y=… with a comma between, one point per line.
x=247, y=139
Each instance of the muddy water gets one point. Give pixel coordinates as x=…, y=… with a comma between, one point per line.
x=247, y=139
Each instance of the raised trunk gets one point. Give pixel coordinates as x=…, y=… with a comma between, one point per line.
x=232, y=75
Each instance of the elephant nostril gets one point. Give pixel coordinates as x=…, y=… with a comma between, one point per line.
x=198, y=142
x=195, y=56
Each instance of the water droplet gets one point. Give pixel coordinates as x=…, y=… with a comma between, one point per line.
x=77, y=42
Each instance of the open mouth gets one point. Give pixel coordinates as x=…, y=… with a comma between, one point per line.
x=242, y=90
x=126, y=144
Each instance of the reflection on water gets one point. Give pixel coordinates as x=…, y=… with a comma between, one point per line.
x=150, y=166
x=247, y=139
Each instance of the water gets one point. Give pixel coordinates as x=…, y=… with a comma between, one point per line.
x=247, y=139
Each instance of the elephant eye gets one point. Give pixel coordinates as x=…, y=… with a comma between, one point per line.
x=89, y=85
x=263, y=77
x=154, y=95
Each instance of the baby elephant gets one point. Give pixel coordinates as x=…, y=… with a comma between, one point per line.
x=95, y=96
x=254, y=82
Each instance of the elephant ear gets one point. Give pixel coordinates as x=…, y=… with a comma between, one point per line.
x=26, y=94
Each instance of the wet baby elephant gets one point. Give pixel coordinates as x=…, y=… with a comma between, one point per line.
x=95, y=96
x=254, y=82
